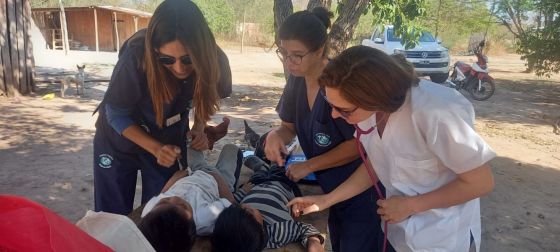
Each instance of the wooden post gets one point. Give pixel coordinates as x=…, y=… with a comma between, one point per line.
x=20, y=48
x=5, y=66
x=64, y=28
x=29, y=59
x=96, y=29
x=16, y=55
x=135, y=23
x=243, y=31
x=117, y=31
x=14, y=59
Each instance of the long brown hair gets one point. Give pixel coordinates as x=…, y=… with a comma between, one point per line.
x=369, y=78
x=182, y=20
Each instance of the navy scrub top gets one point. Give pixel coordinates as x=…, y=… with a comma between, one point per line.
x=316, y=130
x=128, y=90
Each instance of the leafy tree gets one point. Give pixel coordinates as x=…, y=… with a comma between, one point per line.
x=539, y=45
x=402, y=14
x=219, y=15
x=454, y=22
x=537, y=37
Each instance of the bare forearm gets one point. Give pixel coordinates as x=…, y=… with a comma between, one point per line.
x=138, y=136
x=223, y=188
x=357, y=183
x=470, y=185
x=340, y=155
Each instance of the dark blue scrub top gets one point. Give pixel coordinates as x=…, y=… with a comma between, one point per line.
x=316, y=130
x=128, y=90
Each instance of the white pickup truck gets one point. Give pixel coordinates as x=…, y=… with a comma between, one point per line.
x=428, y=57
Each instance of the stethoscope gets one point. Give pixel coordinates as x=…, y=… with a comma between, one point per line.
x=359, y=133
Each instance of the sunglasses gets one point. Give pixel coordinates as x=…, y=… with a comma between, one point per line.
x=343, y=112
x=168, y=60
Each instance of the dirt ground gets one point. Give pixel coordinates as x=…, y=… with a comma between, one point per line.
x=46, y=144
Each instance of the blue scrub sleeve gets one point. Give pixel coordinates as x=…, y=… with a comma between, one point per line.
x=119, y=119
x=286, y=107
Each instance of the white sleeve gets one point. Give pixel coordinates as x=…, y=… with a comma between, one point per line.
x=450, y=135
x=206, y=216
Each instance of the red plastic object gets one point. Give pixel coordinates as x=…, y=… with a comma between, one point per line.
x=29, y=226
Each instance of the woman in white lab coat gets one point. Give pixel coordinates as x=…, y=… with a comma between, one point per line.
x=418, y=139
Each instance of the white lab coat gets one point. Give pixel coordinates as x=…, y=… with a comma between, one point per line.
x=425, y=144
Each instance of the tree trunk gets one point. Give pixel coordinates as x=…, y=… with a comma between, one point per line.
x=16, y=52
x=319, y=3
x=282, y=9
x=344, y=26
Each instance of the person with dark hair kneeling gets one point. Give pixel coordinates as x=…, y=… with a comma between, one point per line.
x=261, y=219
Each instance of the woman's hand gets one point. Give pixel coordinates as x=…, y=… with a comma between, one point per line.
x=199, y=140
x=167, y=155
x=395, y=209
x=275, y=149
x=297, y=171
x=308, y=204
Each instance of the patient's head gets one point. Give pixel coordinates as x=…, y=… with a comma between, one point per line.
x=169, y=226
x=239, y=228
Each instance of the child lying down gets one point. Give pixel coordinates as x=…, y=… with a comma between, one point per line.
x=261, y=219
x=191, y=202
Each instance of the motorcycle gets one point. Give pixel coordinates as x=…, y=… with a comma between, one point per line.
x=473, y=78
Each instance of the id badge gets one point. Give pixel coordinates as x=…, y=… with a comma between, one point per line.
x=172, y=120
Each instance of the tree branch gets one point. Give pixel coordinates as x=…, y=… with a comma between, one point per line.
x=507, y=25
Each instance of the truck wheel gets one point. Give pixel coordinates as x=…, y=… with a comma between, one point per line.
x=439, y=78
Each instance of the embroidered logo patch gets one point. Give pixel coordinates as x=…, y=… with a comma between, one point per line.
x=105, y=161
x=322, y=139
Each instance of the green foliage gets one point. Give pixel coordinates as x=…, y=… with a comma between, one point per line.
x=219, y=15
x=454, y=22
x=364, y=29
x=256, y=11
x=520, y=7
x=539, y=45
x=403, y=14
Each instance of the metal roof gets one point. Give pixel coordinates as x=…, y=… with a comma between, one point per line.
x=111, y=8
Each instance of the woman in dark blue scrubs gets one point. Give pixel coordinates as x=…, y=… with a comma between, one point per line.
x=162, y=73
x=327, y=143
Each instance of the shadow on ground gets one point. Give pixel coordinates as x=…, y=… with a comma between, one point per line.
x=512, y=221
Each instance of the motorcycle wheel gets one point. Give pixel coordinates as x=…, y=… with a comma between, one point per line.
x=487, y=89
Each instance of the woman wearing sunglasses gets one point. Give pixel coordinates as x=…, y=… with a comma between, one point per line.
x=327, y=143
x=162, y=73
x=420, y=142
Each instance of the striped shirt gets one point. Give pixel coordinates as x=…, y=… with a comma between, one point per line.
x=270, y=198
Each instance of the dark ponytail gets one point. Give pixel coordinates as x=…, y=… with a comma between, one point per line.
x=308, y=27
x=324, y=15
